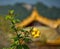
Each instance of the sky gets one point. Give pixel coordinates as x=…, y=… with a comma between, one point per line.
x=46, y=2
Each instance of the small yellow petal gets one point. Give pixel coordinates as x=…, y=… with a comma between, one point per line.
x=35, y=29
x=37, y=35
x=33, y=33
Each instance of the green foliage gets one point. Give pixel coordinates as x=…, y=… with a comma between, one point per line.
x=25, y=46
x=19, y=47
x=20, y=39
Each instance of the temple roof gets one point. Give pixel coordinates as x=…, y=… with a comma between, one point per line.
x=35, y=16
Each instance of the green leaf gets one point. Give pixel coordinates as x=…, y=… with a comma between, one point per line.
x=8, y=17
x=11, y=11
x=17, y=21
x=16, y=42
x=13, y=21
x=22, y=30
x=19, y=47
x=15, y=38
x=27, y=39
x=25, y=46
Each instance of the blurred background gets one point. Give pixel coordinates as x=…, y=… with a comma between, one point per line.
x=23, y=8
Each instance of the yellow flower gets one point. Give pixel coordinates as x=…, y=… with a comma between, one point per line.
x=35, y=33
